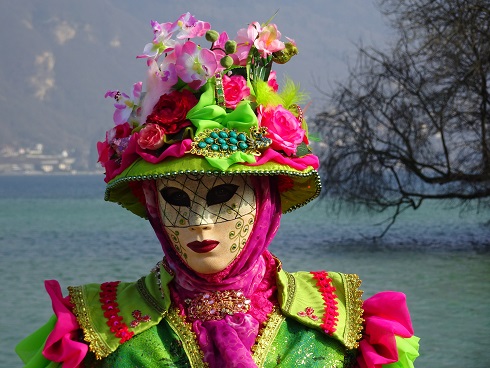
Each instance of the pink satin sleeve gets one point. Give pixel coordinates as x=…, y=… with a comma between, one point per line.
x=386, y=316
x=62, y=345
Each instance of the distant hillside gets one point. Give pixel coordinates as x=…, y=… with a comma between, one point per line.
x=56, y=64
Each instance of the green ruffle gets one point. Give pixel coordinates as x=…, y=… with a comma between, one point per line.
x=408, y=351
x=30, y=350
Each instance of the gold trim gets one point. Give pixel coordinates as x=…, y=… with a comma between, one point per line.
x=354, y=311
x=266, y=337
x=96, y=344
x=291, y=292
x=183, y=330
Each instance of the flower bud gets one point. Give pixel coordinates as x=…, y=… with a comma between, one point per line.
x=283, y=56
x=212, y=35
x=230, y=47
x=226, y=61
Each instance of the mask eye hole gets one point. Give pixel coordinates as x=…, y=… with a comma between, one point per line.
x=175, y=196
x=221, y=193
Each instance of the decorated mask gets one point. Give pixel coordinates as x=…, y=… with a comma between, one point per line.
x=207, y=218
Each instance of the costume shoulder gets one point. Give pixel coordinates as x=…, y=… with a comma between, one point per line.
x=111, y=313
x=328, y=301
x=379, y=327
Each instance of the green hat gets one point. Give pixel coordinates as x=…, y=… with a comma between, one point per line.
x=215, y=111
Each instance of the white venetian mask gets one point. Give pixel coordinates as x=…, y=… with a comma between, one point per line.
x=208, y=218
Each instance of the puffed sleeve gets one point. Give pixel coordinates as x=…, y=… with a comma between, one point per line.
x=388, y=339
x=56, y=343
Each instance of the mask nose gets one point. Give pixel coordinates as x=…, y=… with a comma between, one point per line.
x=201, y=216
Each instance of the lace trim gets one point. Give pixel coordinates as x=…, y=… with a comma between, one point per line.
x=96, y=344
x=266, y=337
x=184, y=331
x=353, y=295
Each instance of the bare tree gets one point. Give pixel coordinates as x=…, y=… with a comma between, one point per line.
x=413, y=123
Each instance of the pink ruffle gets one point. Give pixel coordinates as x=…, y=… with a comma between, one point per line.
x=298, y=163
x=175, y=150
x=386, y=315
x=62, y=345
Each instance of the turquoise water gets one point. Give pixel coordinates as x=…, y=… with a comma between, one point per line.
x=59, y=227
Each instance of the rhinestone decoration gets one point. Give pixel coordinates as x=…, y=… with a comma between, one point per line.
x=219, y=143
x=216, y=305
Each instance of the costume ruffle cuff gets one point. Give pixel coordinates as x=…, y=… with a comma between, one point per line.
x=388, y=339
x=56, y=343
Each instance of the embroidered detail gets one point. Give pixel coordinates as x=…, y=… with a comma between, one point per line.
x=156, y=272
x=219, y=143
x=290, y=293
x=138, y=318
x=96, y=344
x=184, y=331
x=308, y=312
x=354, y=311
x=107, y=297
x=147, y=297
x=330, y=316
x=216, y=305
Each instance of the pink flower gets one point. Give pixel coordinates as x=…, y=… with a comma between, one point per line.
x=124, y=104
x=190, y=27
x=282, y=127
x=195, y=65
x=272, y=82
x=267, y=41
x=151, y=137
x=162, y=41
x=236, y=89
x=245, y=39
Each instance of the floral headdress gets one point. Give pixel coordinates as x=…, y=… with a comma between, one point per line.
x=214, y=111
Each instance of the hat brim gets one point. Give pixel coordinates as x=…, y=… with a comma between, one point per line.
x=305, y=184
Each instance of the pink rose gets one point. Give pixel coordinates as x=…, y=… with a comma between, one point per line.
x=151, y=137
x=235, y=88
x=282, y=127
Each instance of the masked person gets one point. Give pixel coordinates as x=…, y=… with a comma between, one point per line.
x=212, y=154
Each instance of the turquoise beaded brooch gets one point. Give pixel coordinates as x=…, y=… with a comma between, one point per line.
x=219, y=143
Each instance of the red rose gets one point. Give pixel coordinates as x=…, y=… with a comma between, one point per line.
x=171, y=109
x=116, y=140
x=152, y=137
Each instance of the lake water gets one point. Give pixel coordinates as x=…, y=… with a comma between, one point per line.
x=59, y=227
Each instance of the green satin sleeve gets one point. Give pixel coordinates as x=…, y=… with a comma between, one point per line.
x=30, y=349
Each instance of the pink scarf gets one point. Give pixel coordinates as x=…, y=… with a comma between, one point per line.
x=227, y=342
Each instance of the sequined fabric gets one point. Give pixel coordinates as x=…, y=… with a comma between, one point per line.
x=299, y=346
x=158, y=346
x=295, y=345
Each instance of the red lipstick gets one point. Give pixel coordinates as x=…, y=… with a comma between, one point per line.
x=203, y=246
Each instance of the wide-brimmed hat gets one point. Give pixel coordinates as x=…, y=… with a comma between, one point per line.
x=210, y=111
